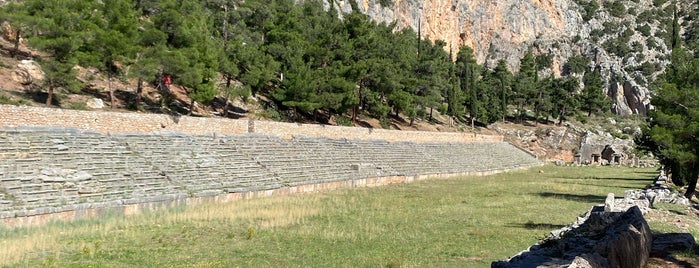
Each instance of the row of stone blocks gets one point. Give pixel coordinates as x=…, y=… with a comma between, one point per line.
x=50, y=168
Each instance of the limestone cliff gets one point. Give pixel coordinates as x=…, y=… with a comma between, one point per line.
x=506, y=29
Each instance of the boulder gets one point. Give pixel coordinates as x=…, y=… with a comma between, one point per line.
x=627, y=241
x=95, y=103
x=28, y=72
x=665, y=243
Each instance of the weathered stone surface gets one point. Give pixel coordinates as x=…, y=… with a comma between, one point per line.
x=95, y=103
x=589, y=261
x=97, y=171
x=627, y=241
x=665, y=243
x=609, y=203
x=604, y=239
x=28, y=72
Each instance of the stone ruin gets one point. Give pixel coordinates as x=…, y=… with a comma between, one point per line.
x=611, y=235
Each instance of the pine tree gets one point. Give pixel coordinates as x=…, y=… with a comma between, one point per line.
x=593, y=98
x=505, y=79
x=673, y=130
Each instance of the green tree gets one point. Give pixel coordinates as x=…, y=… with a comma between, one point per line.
x=525, y=83
x=61, y=31
x=466, y=70
x=505, y=78
x=593, y=98
x=673, y=130
x=576, y=65
x=564, y=96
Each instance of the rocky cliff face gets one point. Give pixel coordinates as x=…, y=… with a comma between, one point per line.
x=628, y=40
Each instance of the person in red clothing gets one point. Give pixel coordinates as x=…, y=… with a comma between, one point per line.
x=167, y=80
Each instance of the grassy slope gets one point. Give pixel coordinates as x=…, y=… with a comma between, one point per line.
x=458, y=222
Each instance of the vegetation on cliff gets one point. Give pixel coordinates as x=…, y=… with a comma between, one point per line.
x=310, y=61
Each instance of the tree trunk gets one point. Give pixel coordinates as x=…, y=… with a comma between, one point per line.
x=111, y=90
x=139, y=93
x=15, y=49
x=50, y=95
x=191, y=107
x=691, y=189
x=692, y=181
x=228, y=88
x=431, y=109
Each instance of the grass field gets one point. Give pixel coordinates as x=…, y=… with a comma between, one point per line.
x=457, y=222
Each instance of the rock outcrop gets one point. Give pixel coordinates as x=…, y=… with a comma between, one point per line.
x=598, y=239
x=614, y=234
x=629, y=45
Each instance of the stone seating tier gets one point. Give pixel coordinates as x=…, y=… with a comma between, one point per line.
x=54, y=169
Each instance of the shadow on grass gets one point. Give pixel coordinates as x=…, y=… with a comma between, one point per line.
x=587, y=198
x=538, y=226
x=650, y=179
x=619, y=186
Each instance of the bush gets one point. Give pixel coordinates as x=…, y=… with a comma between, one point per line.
x=78, y=106
x=589, y=9
x=386, y=3
x=650, y=43
x=616, y=47
x=385, y=122
x=8, y=100
x=659, y=3
x=596, y=33
x=342, y=120
x=644, y=29
x=610, y=27
x=615, y=8
x=646, y=16
x=636, y=46
x=576, y=65
x=647, y=68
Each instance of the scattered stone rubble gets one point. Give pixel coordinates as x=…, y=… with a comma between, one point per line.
x=611, y=235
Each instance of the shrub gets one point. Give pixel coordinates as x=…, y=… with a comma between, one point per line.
x=576, y=64
x=628, y=32
x=78, y=106
x=650, y=43
x=589, y=9
x=615, y=8
x=343, y=121
x=647, y=68
x=636, y=46
x=610, y=27
x=644, y=29
x=596, y=33
x=659, y=3
x=646, y=16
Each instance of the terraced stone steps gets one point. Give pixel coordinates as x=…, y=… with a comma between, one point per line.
x=51, y=169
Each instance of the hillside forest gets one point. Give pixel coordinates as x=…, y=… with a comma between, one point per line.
x=311, y=61
x=315, y=62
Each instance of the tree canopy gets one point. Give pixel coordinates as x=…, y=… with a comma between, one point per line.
x=672, y=133
x=308, y=60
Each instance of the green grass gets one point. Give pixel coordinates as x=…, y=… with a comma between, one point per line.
x=457, y=222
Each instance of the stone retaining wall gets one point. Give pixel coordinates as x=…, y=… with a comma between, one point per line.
x=116, y=122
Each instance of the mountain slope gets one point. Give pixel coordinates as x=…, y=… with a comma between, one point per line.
x=629, y=40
